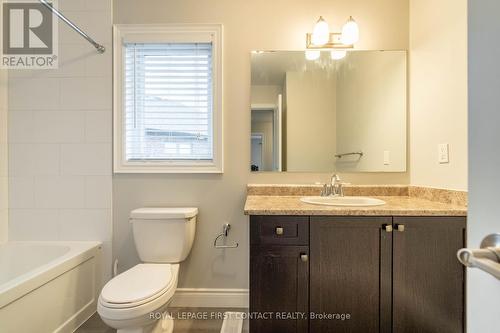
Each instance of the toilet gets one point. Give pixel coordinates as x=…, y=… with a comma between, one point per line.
x=136, y=300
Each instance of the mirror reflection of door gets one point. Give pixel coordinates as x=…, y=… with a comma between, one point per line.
x=257, y=140
x=264, y=139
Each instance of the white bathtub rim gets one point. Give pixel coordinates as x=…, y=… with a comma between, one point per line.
x=79, y=252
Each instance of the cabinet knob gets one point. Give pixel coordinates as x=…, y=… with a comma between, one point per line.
x=400, y=227
x=279, y=231
x=304, y=257
x=388, y=228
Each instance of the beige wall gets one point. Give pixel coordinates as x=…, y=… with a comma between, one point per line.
x=3, y=158
x=248, y=25
x=265, y=94
x=310, y=121
x=371, y=111
x=438, y=91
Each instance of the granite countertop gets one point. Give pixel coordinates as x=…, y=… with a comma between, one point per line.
x=396, y=205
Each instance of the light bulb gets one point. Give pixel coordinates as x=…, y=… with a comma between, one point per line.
x=338, y=54
x=312, y=54
x=321, y=32
x=350, y=32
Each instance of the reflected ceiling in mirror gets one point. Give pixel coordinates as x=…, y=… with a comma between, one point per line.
x=326, y=115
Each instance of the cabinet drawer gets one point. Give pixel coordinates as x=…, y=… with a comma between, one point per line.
x=279, y=230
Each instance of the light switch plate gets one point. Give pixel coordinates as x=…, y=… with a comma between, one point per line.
x=443, y=153
x=387, y=157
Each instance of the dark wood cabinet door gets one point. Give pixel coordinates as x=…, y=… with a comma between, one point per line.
x=428, y=280
x=279, y=285
x=351, y=273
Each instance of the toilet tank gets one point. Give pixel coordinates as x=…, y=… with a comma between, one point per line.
x=163, y=235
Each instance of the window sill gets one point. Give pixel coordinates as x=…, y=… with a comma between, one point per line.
x=147, y=168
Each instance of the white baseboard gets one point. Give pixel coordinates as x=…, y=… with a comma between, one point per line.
x=210, y=298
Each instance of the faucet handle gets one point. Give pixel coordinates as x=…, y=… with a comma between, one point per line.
x=334, y=179
x=325, y=190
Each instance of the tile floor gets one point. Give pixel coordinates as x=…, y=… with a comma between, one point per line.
x=183, y=324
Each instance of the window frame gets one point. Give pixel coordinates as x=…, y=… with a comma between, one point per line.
x=165, y=33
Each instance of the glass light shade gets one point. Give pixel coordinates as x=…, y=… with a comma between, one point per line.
x=313, y=54
x=321, y=32
x=350, y=32
x=338, y=54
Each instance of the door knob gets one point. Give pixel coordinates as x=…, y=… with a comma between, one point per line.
x=400, y=227
x=279, y=231
x=304, y=257
x=388, y=228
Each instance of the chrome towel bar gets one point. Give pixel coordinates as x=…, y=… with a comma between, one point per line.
x=487, y=258
x=360, y=153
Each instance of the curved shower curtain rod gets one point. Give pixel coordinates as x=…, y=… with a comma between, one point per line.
x=100, y=48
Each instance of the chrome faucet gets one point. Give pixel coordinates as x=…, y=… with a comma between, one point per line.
x=335, y=188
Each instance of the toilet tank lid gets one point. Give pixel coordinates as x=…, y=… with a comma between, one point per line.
x=163, y=213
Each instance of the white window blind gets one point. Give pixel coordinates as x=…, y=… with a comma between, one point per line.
x=168, y=102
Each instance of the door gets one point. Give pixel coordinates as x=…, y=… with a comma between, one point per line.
x=263, y=128
x=483, y=290
x=279, y=284
x=351, y=273
x=278, y=136
x=256, y=152
x=428, y=284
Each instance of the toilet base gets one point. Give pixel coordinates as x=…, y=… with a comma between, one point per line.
x=164, y=325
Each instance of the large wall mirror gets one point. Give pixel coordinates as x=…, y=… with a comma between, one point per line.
x=326, y=115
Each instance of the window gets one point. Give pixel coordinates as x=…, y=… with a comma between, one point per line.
x=168, y=116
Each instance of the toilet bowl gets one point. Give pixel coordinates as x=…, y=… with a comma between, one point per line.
x=136, y=300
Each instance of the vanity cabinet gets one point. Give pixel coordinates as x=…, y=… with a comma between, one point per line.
x=282, y=278
x=428, y=281
x=351, y=273
x=279, y=270
x=380, y=274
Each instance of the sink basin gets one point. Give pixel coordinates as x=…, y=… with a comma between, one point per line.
x=343, y=201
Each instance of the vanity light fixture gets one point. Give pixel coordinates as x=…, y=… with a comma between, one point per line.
x=322, y=39
x=321, y=32
x=350, y=32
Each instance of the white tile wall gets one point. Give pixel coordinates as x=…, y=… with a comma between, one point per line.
x=33, y=93
x=34, y=159
x=3, y=157
x=86, y=159
x=22, y=192
x=60, y=137
x=59, y=192
x=33, y=224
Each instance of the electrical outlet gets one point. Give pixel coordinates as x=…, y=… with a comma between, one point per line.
x=443, y=153
x=387, y=157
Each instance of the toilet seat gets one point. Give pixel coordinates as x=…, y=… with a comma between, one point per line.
x=142, y=289
x=138, y=285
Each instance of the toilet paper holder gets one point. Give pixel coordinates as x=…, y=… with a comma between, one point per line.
x=225, y=231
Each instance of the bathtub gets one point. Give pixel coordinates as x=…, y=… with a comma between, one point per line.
x=48, y=286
